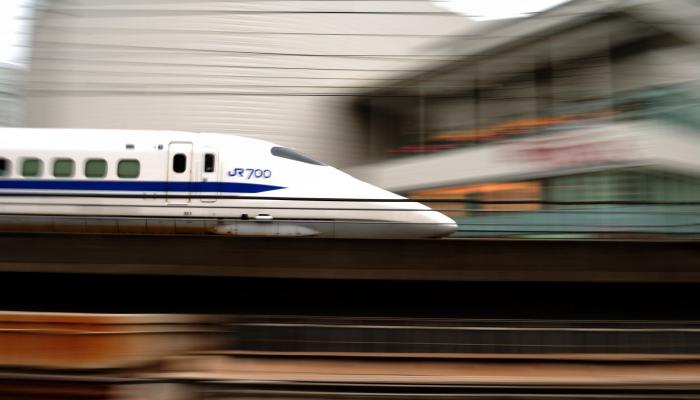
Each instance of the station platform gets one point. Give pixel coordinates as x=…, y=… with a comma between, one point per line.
x=426, y=260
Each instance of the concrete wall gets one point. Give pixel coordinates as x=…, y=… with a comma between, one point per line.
x=584, y=150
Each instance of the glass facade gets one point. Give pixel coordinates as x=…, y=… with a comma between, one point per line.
x=632, y=185
x=629, y=201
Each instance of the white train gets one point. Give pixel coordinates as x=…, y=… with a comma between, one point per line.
x=109, y=181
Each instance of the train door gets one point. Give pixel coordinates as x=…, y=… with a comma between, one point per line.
x=210, y=175
x=179, y=173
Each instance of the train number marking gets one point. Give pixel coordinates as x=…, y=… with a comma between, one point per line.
x=250, y=173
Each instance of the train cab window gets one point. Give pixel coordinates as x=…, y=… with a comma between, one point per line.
x=290, y=154
x=32, y=167
x=209, y=160
x=63, y=168
x=128, y=169
x=4, y=167
x=95, y=168
x=179, y=163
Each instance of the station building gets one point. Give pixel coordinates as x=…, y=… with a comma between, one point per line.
x=593, y=103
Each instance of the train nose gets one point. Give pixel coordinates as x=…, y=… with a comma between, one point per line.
x=446, y=228
x=443, y=225
x=394, y=216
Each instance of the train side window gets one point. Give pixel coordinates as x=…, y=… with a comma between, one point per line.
x=209, y=160
x=4, y=167
x=32, y=167
x=128, y=169
x=96, y=168
x=179, y=163
x=63, y=168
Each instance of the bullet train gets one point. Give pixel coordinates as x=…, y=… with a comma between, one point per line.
x=161, y=182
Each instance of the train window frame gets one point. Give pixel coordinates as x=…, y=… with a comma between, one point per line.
x=5, y=167
x=95, y=161
x=59, y=163
x=180, y=163
x=36, y=172
x=124, y=164
x=291, y=154
x=209, y=162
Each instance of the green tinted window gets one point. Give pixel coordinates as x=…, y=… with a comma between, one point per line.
x=4, y=167
x=31, y=167
x=63, y=167
x=129, y=169
x=96, y=168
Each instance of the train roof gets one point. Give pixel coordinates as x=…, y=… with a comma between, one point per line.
x=45, y=138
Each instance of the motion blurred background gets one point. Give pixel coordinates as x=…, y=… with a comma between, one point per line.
x=523, y=119
x=568, y=119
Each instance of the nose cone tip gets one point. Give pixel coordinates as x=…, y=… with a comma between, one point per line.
x=446, y=229
x=444, y=225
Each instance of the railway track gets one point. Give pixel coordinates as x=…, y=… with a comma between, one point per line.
x=459, y=338
x=223, y=390
x=39, y=387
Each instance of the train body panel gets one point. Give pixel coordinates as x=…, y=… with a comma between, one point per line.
x=170, y=182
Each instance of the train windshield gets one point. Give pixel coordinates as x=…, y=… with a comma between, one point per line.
x=294, y=155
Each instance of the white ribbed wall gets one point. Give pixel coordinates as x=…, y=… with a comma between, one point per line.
x=11, y=84
x=177, y=64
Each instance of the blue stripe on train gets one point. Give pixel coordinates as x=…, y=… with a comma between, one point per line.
x=137, y=186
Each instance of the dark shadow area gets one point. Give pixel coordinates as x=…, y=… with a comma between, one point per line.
x=149, y=294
